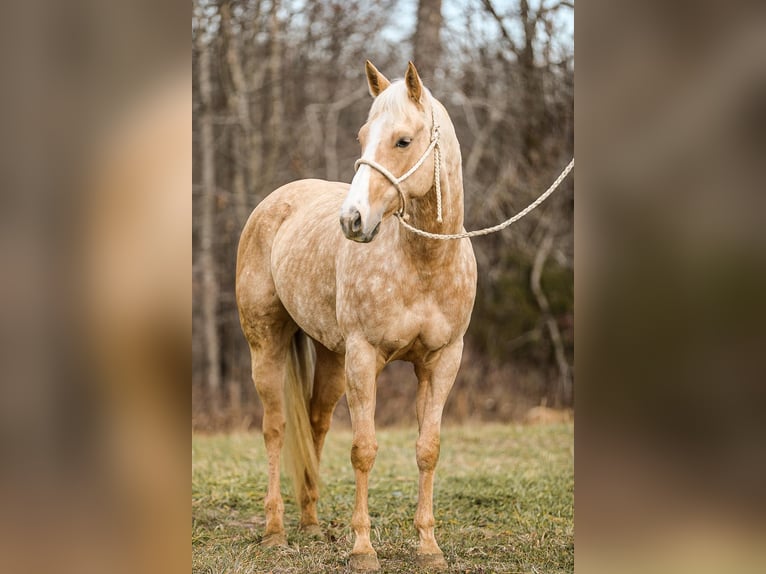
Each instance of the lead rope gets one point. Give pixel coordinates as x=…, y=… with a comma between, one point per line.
x=498, y=227
x=437, y=172
x=434, y=146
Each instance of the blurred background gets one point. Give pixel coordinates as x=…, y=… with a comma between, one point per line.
x=279, y=93
x=671, y=276
x=671, y=256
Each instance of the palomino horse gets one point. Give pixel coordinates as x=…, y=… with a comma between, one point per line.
x=303, y=276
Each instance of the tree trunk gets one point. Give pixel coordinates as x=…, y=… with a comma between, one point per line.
x=277, y=102
x=532, y=93
x=562, y=395
x=427, y=42
x=239, y=104
x=210, y=286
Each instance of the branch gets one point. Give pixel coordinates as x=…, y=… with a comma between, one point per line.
x=331, y=130
x=545, y=9
x=565, y=375
x=491, y=9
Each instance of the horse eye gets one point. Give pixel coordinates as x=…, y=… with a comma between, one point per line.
x=404, y=142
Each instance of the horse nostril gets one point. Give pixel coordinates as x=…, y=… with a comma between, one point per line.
x=356, y=222
x=351, y=222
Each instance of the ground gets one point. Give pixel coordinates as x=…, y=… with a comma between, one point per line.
x=503, y=502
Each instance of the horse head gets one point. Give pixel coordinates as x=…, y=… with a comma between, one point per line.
x=400, y=133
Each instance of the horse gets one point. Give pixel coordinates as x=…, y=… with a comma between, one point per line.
x=330, y=288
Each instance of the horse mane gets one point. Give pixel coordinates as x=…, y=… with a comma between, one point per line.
x=395, y=100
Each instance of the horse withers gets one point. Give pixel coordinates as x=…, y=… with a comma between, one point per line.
x=330, y=288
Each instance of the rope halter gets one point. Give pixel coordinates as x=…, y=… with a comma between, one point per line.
x=396, y=181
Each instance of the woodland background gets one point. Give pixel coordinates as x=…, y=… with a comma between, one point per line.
x=279, y=93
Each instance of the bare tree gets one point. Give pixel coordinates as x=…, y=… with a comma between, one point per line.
x=562, y=394
x=279, y=94
x=277, y=102
x=239, y=104
x=427, y=40
x=210, y=290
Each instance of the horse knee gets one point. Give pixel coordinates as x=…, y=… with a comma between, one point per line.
x=427, y=450
x=363, y=454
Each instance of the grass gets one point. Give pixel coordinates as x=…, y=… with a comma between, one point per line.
x=503, y=502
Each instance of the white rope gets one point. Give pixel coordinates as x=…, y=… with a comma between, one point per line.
x=499, y=226
x=438, y=181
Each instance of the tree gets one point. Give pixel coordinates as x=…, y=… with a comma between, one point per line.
x=279, y=94
x=427, y=40
x=210, y=290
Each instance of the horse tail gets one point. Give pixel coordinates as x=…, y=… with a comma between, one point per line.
x=300, y=457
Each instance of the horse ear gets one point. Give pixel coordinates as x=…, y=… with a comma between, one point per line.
x=414, y=85
x=376, y=81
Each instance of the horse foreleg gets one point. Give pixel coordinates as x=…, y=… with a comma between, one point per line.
x=435, y=380
x=329, y=385
x=361, y=371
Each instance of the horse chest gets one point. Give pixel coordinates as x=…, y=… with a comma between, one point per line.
x=399, y=318
x=435, y=327
x=400, y=303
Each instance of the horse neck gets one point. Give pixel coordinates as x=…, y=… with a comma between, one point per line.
x=423, y=211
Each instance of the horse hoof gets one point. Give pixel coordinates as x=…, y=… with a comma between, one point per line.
x=313, y=531
x=274, y=539
x=431, y=561
x=364, y=562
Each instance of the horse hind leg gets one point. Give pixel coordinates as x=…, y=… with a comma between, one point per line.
x=329, y=386
x=269, y=353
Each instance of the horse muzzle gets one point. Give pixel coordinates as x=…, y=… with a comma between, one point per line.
x=351, y=224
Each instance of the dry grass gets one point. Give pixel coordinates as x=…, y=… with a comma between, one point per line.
x=503, y=502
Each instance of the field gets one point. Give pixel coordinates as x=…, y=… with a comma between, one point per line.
x=503, y=502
